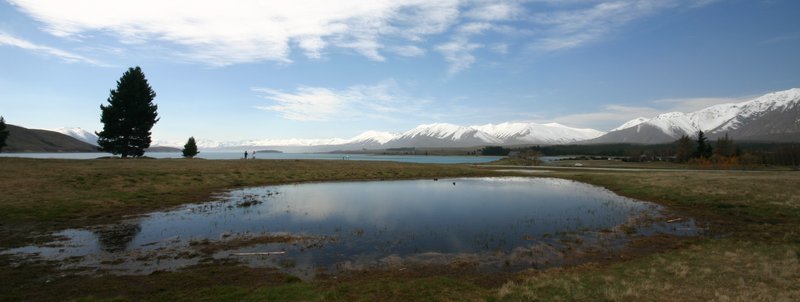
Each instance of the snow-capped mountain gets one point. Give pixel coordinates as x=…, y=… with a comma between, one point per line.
x=372, y=137
x=80, y=134
x=630, y=123
x=438, y=135
x=442, y=136
x=532, y=133
x=773, y=117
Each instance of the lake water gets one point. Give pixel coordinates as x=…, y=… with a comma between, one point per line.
x=433, y=159
x=485, y=224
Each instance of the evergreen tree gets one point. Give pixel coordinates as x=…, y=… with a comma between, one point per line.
x=190, y=149
x=3, y=133
x=684, y=151
x=724, y=147
x=703, y=147
x=129, y=116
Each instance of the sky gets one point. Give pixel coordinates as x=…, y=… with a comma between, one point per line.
x=240, y=70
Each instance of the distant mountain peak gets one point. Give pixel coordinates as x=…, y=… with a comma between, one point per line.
x=380, y=137
x=772, y=116
x=78, y=133
x=631, y=123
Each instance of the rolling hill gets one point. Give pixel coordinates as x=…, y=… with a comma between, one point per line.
x=22, y=139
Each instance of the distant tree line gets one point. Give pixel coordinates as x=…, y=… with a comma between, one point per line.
x=724, y=152
x=495, y=151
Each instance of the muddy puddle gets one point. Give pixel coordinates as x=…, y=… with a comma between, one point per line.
x=485, y=224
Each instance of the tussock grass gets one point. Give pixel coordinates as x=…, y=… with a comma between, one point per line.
x=755, y=255
x=762, y=206
x=717, y=270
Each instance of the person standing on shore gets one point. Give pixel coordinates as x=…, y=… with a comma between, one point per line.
x=245, y=154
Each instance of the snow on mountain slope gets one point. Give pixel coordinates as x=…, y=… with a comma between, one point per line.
x=769, y=116
x=630, y=123
x=551, y=133
x=78, y=133
x=673, y=124
x=437, y=135
x=373, y=136
x=712, y=117
x=442, y=131
x=776, y=101
x=441, y=135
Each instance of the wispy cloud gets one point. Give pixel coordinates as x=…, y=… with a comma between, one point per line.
x=221, y=33
x=458, y=53
x=611, y=116
x=9, y=40
x=693, y=104
x=494, y=11
x=385, y=100
x=608, y=117
x=408, y=50
x=224, y=33
x=573, y=28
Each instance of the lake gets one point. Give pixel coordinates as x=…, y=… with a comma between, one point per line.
x=483, y=224
x=432, y=159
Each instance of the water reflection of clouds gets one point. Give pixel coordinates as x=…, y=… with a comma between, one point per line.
x=374, y=222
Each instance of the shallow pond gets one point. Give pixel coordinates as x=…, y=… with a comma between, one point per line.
x=506, y=223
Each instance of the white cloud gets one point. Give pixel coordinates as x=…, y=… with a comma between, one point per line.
x=458, y=53
x=223, y=33
x=492, y=11
x=407, y=50
x=7, y=39
x=693, y=104
x=573, y=28
x=609, y=117
x=384, y=100
x=702, y=3
x=500, y=48
x=612, y=116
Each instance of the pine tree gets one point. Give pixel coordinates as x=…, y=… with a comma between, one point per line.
x=724, y=147
x=684, y=151
x=190, y=149
x=3, y=133
x=129, y=116
x=703, y=147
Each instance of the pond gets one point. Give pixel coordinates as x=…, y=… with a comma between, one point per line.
x=484, y=224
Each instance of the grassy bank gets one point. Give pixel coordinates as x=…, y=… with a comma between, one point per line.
x=751, y=252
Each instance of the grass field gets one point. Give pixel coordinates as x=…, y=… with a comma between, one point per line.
x=752, y=251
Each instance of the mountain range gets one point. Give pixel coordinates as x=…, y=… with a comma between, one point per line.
x=437, y=135
x=772, y=117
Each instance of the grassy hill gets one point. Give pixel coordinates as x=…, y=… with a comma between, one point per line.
x=36, y=140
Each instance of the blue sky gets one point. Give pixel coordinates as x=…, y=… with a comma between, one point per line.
x=235, y=70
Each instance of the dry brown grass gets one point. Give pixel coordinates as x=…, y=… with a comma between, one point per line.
x=713, y=271
x=752, y=205
x=753, y=220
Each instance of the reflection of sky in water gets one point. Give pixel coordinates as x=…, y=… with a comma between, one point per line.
x=375, y=220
